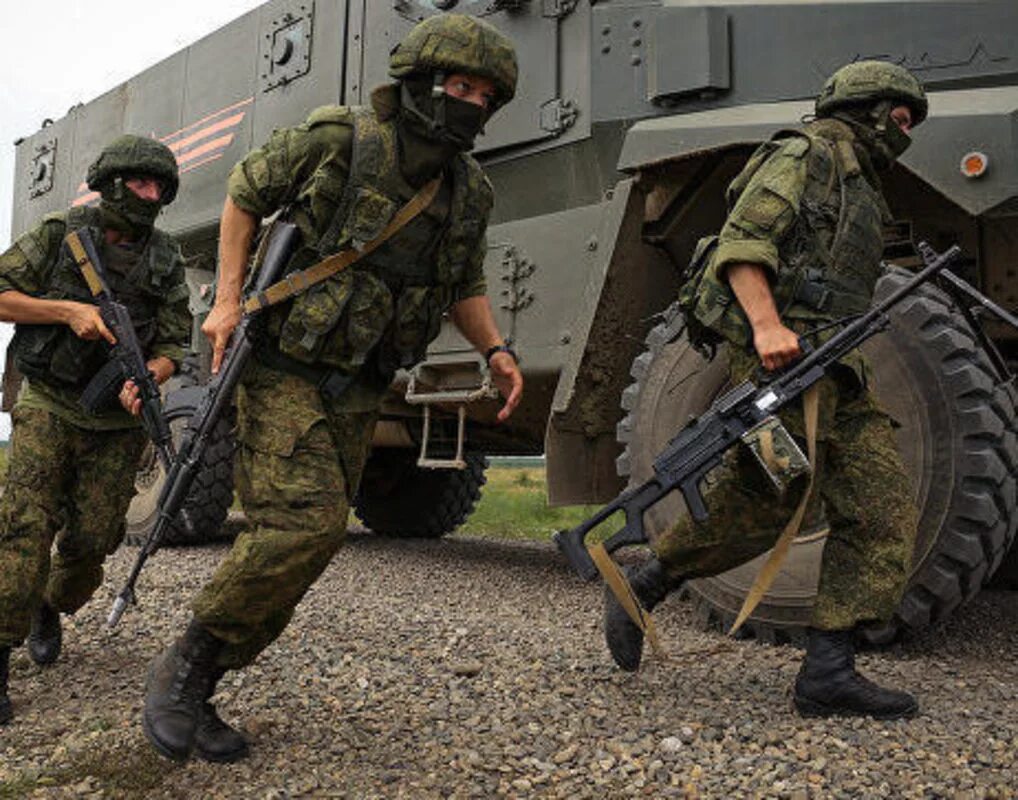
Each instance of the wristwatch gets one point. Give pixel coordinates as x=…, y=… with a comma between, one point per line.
x=500, y=348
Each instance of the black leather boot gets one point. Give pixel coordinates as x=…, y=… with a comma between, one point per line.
x=828, y=685
x=179, y=682
x=6, y=712
x=624, y=638
x=46, y=636
x=215, y=740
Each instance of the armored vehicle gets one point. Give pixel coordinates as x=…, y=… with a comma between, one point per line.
x=631, y=119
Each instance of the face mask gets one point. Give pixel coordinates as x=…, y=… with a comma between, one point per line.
x=890, y=142
x=124, y=203
x=441, y=117
x=463, y=122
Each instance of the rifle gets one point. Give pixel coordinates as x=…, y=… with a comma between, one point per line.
x=216, y=398
x=127, y=362
x=700, y=446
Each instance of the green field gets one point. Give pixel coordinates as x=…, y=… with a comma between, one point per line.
x=514, y=505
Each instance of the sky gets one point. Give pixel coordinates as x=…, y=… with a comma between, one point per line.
x=57, y=54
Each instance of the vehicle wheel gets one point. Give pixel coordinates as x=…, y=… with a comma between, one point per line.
x=398, y=498
x=211, y=494
x=957, y=437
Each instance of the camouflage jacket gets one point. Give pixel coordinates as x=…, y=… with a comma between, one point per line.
x=339, y=173
x=809, y=211
x=148, y=279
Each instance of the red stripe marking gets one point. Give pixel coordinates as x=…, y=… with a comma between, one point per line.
x=205, y=119
x=183, y=144
x=85, y=199
x=201, y=163
x=197, y=152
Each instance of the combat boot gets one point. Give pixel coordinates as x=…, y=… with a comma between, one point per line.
x=215, y=740
x=6, y=712
x=828, y=685
x=625, y=640
x=179, y=682
x=46, y=636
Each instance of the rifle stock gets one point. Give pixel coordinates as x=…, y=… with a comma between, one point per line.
x=217, y=396
x=700, y=446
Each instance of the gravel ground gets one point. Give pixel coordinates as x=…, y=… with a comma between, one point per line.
x=472, y=668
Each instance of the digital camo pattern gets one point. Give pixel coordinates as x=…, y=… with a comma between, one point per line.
x=867, y=500
x=458, y=43
x=298, y=466
x=870, y=82
x=64, y=484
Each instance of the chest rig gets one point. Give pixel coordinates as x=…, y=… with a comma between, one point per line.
x=390, y=304
x=831, y=257
x=141, y=279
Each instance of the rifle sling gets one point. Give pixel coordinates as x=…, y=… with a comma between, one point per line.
x=88, y=269
x=769, y=571
x=299, y=282
x=615, y=579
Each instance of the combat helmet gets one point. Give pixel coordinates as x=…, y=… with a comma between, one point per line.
x=130, y=155
x=451, y=43
x=868, y=82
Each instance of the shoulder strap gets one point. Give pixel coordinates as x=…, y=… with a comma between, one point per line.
x=299, y=282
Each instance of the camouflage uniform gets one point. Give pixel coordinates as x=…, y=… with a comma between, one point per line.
x=71, y=475
x=342, y=175
x=808, y=209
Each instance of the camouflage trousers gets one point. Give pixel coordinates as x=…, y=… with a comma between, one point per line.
x=866, y=496
x=67, y=484
x=298, y=467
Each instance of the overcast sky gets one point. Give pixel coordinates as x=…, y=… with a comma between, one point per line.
x=57, y=54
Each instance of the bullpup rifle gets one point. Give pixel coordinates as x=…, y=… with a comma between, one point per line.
x=216, y=399
x=700, y=446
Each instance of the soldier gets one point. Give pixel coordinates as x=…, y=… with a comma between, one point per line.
x=72, y=472
x=309, y=400
x=801, y=247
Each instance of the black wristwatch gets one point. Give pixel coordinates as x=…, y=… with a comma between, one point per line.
x=500, y=348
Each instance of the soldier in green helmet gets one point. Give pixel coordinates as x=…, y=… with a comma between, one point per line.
x=310, y=398
x=71, y=473
x=802, y=247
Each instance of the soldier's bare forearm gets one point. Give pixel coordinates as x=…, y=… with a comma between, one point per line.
x=16, y=306
x=236, y=230
x=473, y=318
x=753, y=291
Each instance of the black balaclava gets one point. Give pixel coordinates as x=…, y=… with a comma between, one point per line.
x=125, y=211
x=434, y=126
x=875, y=131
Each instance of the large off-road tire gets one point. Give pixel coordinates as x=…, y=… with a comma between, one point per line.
x=957, y=438
x=398, y=498
x=211, y=494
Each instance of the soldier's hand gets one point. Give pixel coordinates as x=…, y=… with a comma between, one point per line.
x=506, y=375
x=218, y=327
x=86, y=322
x=776, y=345
x=130, y=398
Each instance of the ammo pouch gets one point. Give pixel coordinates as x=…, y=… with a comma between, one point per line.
x=52, y=353
x=703, y=337
x=831, y=293
x=338, y=322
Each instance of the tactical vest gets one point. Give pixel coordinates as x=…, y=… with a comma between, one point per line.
x=829, y=262
x=390, y=304
x=142, y=281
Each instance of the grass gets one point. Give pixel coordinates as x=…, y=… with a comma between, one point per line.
x=514, y=505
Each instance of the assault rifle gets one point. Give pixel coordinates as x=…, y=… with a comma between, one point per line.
x=216, y=398
x=127, y=362
x=700, y=446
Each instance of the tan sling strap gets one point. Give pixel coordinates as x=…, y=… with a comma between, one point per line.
x=301, y=281
x=769, y=571
x=616, y=581
x=88, y=270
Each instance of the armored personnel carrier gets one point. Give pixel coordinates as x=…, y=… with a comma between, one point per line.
x=632, y=117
